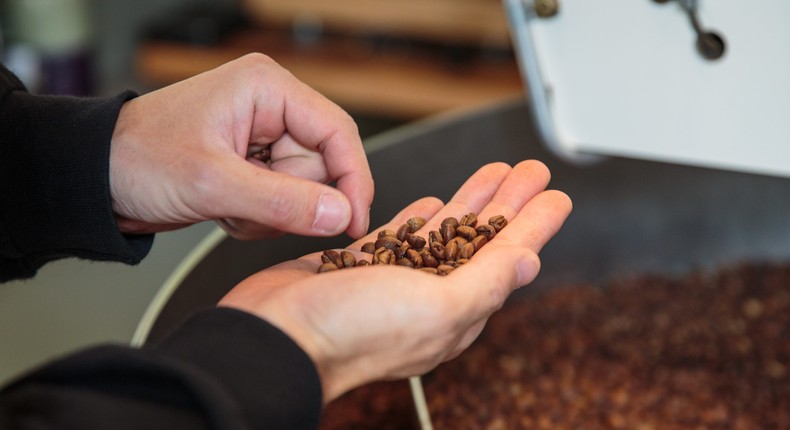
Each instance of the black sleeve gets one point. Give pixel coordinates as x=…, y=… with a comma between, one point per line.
x=222, y=369
x=54, y=181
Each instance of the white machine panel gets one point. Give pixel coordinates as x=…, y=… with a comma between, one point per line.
x=624, y=78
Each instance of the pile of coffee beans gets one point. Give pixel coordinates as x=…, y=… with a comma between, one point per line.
x=456, y=241
x=706, y=350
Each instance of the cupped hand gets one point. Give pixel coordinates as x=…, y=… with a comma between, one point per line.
x=382, y=322
x=180, y=155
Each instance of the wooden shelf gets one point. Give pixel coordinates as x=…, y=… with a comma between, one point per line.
x=357, y=77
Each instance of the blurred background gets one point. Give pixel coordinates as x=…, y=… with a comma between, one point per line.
x=386, y=62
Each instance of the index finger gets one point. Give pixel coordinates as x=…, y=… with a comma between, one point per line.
x=286, y=105
x=320, y=125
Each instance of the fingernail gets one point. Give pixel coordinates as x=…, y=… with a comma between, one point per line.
x=331, y=214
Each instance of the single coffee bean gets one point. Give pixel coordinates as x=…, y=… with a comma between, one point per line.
x=429, y=270
x=416, y=242
x=466, y=252
x=451, y=250
x=498, y=222
x=389, y=242
x=466, y=232
x=414, y=257
x=459, y=240
x=444, y=270
x=327, y=267
x=450, y=221
x=428, y=259
x=437, y=249
x=332, y=256
x=370, y=247
x=448, y=232
x=435, y=237
x=403, y=230
x=478, y=242
x=415, y=223
x=348, y=259
x=361, y=263
x=264, y=155
x=451, y=263
x=469, y=219
x=387, y=232
x=383, y=255
x=486, y=230
x=461, y=261
x=405, y=262
x=401, y=251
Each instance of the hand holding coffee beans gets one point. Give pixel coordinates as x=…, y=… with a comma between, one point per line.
x=451, y=246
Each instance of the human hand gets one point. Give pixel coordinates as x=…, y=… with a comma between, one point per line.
x=384, y=322
x=179, y=156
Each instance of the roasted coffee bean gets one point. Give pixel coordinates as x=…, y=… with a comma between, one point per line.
x=448, y=232
x=264, y=155
x=466, y=252
x=437, y=250
x=414, y=257
x=451, y=250
x=435, y=237
x=498, y=222
x=478, y=242
x=403, y=230
x=369, y=247
x=332, y=256
x=428, y=260
x=389, y=242
x=450, y=221
x=429, y=270
x=415, y=223
x=327, y=267
x=459, y=240
x=405, y=262
x=387, y=233
x=348, y=259
x=401, y=251
x=416, y=242
x=466, y=232
x=469, y=219
x=444, y=269
x=452, y=245
x=383, y=255
x=486, y=230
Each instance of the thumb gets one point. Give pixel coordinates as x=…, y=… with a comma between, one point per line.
x=281, y=201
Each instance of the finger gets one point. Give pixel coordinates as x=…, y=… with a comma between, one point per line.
x=473, y=195
x=537, y=222
x=248, y=230
x=526, y=180
x=285, y=104
x=283, y=202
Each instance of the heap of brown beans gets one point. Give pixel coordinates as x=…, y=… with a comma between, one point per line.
x=456, y=241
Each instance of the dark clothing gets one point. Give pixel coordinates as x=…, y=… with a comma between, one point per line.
x=222, y=369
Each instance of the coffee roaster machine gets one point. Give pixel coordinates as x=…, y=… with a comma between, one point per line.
x=667, y=122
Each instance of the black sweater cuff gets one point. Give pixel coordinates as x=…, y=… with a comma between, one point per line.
x=266, y=373
x=54, y=177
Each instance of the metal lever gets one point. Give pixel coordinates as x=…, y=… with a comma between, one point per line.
x=709, y=44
